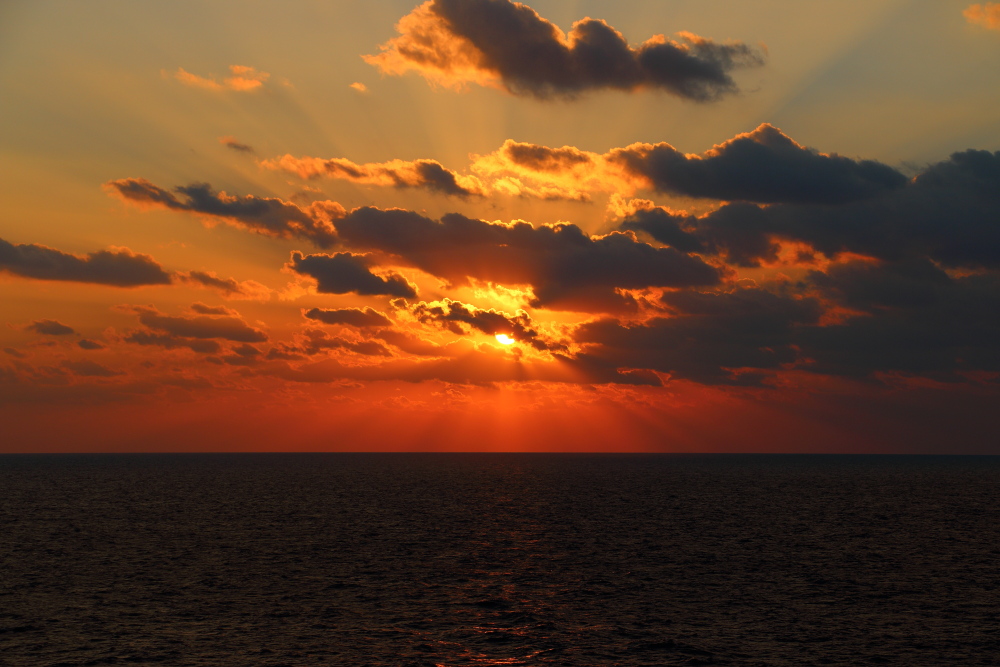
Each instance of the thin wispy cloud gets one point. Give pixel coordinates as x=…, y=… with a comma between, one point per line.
x=242, y=79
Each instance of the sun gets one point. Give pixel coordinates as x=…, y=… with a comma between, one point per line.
x=504, y=339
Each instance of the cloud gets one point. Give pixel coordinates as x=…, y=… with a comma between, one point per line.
x=567, y=269
x=530, y=170
x=426, y=174
x=86, y=344
x=508, y=45
x=230, y=287
x=118, y=267
x=346, y=272
x=227, y=327
x=230, y=142
x=242, y=79
x=472, y=368
x=142, y=337
x=205, y=309
x=710, y=338
x=263, y=215
x=986, y=15
x=909, y=316
x=665, y=226
x=411, y=344
x=947, y=213
x=358, y=86
x=764, y=166
x=50, y=328
x=312, y=342
x=88, y=368
x=453, y=314
x=242, y=355
x=355, y=317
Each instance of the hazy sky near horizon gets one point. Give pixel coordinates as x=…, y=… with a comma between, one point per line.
x=705, y=226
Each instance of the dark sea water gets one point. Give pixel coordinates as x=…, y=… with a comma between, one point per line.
x=351, y=559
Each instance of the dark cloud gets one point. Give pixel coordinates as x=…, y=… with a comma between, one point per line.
x=763, y=166
x=427, y=174
x=243, y=355
x=89, y=369
x=230, y=142
x=50, y=328
x=948, y=213
x=906, y=317
x=285, y=352
x=315, y=341
x=710, y=338
x=229, y=287
x=86, y=344
x=201, y=327
x=666, y=228
x=497, y=42
x=263, y=215
x=205, y=309
x=245, y=350
x=453, y=314
x=118, y=268
x=545, y=159
x=170, y=342
x=436, y=178
x=913, y=318
x=567, y=269
x=355, y=317
x=346, y=272
x=15, y=353
x=871, y=286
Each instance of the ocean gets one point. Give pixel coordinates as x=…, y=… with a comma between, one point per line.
x=498, y=559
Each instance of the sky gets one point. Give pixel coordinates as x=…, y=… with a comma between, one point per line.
x=481, y=225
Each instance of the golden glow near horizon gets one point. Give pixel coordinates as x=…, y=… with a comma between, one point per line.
x=293, y=223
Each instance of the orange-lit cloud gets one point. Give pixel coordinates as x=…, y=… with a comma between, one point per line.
x=360, y=87
x=453, y=315
x=242, y=79
x=508, y=45
x=763, y=166
x=987, y=15
x=567, y=269
x=893, y=278
x=428, y=174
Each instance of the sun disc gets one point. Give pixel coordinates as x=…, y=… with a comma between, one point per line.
x=504, y=339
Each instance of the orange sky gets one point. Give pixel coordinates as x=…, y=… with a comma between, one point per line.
x=306, y=230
